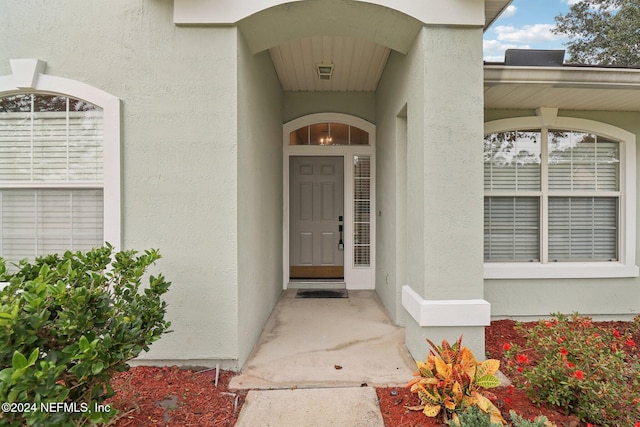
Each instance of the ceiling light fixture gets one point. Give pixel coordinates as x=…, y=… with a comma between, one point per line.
x=324, y=71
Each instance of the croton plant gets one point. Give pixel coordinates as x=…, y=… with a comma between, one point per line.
x=451, y=380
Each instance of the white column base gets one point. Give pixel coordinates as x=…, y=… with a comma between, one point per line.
x=471, y=312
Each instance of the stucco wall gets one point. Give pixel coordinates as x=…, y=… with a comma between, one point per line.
x=179, y=152
x=606, y=298
x=398, y=114
x=429, y=184
x=359, y=104
x=259, y=194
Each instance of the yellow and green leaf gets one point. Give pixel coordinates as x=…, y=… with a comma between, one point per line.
x=486, y=406
x=487, y=381
x=443, y=368
x=431, y=410
x=488, y=367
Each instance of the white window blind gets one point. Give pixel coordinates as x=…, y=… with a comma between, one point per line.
x=580, y=161
x=512, y=161
x=583, y=229
x=576, y=178
x=51, y=175
x=362, y=211
x=512, y=228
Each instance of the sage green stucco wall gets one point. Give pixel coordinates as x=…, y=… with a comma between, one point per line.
x=605, y=298
x=399, y=117
x=178, y=88
x=429, y=183
x=259, y=194
x=359, y=104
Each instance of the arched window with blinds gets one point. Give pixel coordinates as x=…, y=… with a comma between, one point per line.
x=551, y=195
x=51, y=175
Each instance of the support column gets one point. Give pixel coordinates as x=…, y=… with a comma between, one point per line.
x=444, y=295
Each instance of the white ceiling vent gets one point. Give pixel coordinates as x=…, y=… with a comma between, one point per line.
x=324, y=71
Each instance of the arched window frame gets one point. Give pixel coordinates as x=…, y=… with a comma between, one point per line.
x=626, y=264
x=28, y=76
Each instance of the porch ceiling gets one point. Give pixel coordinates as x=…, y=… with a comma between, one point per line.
x=567, y=88
x=358, y=62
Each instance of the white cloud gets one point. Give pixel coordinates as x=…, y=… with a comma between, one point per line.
x=495, y=58
x=527, y=34
x=496, y=46
x=493, y=50
x=509, y=11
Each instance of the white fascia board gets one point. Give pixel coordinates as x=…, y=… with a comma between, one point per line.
x=456, y=12
x=471, y=312
x=579, y=77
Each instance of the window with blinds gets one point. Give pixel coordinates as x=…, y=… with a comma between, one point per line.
x=51, y=175
x=551, y=196
x=362, y=211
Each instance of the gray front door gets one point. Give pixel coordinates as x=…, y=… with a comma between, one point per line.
x=316, y=199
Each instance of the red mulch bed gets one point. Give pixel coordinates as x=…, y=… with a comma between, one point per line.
x=168, y=396
x=172, y=397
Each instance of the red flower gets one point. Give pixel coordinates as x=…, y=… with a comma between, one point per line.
x=616, y=333
x=571, y=365
x=507, y=400
x=506, y=346
x=563, y=351
x=520, y=369
x=630, y=343
x=579, y=375
x=511, y=388
x=637, y=424
x=522, y=358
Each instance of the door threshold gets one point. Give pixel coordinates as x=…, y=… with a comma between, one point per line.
x=317, y=284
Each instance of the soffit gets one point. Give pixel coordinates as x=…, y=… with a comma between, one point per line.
x=356, y=38
x=566, y=88
x=358, y=63
x=492, y=10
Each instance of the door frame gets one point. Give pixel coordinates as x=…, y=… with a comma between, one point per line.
x=354, y=277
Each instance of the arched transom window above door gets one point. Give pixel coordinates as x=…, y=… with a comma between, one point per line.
x=329, y=134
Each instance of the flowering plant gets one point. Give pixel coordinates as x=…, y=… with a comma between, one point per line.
x=452, y=380
x=586, y=370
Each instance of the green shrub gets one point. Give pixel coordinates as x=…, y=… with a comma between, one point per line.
x=67, y=324
x=519, y=421
x=474, y=417
x=585, y=370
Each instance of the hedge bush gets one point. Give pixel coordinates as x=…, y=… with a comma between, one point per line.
x=67, y=324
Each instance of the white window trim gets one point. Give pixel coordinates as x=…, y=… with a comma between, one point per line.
x=355, y=277
x=28, y=75
x=626, y=266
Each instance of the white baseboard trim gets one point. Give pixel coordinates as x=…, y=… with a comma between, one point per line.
x=469, y=312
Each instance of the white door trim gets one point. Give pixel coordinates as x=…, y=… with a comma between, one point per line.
x=354, y=277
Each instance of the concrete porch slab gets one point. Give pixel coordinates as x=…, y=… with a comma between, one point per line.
x=311, y=343
x=353, y=406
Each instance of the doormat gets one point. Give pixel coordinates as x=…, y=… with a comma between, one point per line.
x=322, y=293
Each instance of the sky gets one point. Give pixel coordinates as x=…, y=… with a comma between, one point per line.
x=525, y=24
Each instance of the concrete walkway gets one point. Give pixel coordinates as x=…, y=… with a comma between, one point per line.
x=317, y=361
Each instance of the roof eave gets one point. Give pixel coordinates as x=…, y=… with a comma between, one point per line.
x=567, y=76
